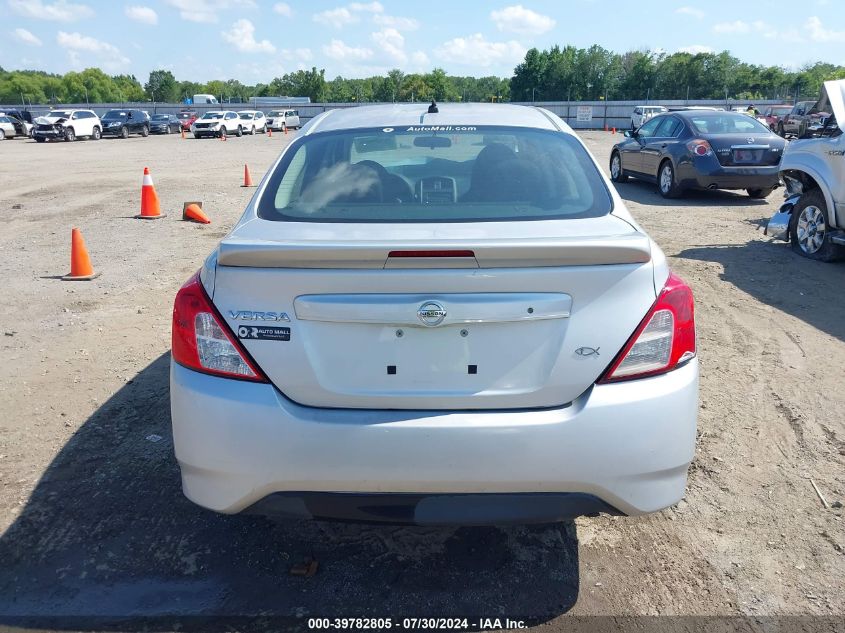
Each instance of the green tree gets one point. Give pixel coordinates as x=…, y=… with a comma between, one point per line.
x=161, y=86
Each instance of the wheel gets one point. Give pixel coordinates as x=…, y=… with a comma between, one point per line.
x=222, y=132
x=252, y=133
x=759, y=193
x=2, y=135
x=264, y=130
x=808, y=229
x=616, y=172
x=666, y=181
x=239, y=132
x=124, y=132
x=70, y=135
x=781, y=133
x=167, y=130
x=40, y=139
x=96, y=134
x=145, y=131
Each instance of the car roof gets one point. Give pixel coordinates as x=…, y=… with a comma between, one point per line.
x=455, y=114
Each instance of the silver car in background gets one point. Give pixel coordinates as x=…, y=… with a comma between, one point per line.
x=435, y=316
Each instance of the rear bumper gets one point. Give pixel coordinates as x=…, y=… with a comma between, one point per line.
x=437, y=509
x=627, y=444
x=704, y=175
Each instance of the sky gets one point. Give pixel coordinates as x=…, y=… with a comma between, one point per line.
x=256, y=40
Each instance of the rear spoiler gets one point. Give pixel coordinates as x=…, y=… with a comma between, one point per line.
x=517, y=253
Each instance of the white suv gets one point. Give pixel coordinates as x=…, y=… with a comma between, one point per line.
x=642, y=114
x=435, y=316
x=279, y=119
x=68, y=125
x=219, y=123
x=253, y=121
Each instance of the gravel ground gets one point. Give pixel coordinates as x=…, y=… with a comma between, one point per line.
x=94, y=528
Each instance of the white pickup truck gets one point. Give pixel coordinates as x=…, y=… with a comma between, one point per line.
x=812, y=217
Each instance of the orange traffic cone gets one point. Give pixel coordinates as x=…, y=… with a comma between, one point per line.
x=286, y=128
x=247, y=177
x=613, y=131
x=183, y=134
x=270, y=132
x=80, y=263
x=150, y=208
x=193, y=213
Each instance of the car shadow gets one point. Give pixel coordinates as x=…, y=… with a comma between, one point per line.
x=806, y=289
x=643, y=192
x=107, y=541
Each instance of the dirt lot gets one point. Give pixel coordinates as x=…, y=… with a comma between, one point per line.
x=93, y=523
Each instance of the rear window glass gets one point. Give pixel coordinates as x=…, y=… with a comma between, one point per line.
x=728, y=124
x=435, y=174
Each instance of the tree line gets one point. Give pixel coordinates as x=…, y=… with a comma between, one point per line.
x=594, y=73
x=557, y=74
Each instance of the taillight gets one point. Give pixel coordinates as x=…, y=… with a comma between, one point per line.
x=201, y=339
x=664, y=339
x=700, y=147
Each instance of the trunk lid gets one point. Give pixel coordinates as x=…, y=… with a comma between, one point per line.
x=529, y=318
x=747, y=150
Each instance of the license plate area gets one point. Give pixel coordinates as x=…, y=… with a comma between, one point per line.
x=747, y=156
x=456, y=360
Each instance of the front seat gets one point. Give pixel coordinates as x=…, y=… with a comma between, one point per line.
x=484, y=171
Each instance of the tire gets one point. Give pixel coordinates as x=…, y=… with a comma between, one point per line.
x=2, y=135
x=40, y=139
x=666, y=183
x=617, y=174
x=253, y=131
x=145, y=131
x=222, y=132
x=96, y=135
x=124, y=132
x=239, y=132
x=70, y=135
x=167, y=129
x=760, y=193
x=809, y=229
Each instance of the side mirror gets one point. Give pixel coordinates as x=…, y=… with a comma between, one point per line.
x=629, y=133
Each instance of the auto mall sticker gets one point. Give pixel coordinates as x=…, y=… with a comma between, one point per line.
x=263, y=333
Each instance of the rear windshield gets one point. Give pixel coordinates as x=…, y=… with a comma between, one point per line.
x=435, y=174
x=727, y=123
x=781, y=111
x=161, y=117
x=115, y=114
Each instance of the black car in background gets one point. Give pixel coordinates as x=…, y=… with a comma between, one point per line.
x=122, y=123
x=164, y=124
x=700, y=149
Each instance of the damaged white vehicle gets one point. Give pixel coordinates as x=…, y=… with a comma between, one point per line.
x=812, y=218
x=68, y=125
